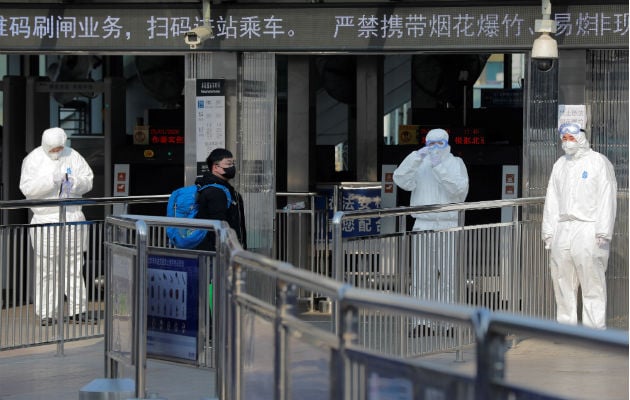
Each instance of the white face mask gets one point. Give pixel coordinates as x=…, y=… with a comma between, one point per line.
x=570, y=148
x=54, y=155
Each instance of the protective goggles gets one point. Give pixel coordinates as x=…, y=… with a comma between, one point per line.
x=440, y=144
x=570, y=128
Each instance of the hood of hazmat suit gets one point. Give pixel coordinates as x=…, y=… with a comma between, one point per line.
x=52, y=138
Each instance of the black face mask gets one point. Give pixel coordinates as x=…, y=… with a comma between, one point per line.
x=229, y=173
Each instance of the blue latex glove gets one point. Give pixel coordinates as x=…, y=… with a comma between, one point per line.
x=66, y=186
x=423, y=152
x=603, y=243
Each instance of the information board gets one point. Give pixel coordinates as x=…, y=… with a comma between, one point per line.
x=209, y=119
x=173, y=307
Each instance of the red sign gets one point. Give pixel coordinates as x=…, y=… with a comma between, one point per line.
x=166, y=136
x=458, y=136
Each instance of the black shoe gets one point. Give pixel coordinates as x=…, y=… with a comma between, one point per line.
x=47, y=321
x=84, y=318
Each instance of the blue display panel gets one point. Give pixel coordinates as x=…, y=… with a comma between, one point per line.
x=173, y=307
x=359, y=198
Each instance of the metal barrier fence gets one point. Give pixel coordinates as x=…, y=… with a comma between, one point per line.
x=301, y=236
x=266, y=348
x=501, y=266
x=313, y=362
x=40, y=261
x=300, y=239
x=161, y=302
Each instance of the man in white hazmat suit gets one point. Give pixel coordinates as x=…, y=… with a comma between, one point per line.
x=51, y=171
x=577, y=226
x=434, y=176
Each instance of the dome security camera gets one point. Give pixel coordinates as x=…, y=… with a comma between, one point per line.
x=194, y=37
x=544, y=52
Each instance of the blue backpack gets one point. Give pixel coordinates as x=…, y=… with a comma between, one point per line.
x=182, y=203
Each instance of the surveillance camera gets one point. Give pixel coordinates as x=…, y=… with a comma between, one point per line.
x=544, y=52
x=194, y=37
x=544, y=64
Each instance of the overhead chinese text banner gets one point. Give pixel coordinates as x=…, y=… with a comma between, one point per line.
x=308, y=28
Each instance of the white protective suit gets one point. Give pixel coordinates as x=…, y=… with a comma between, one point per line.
x=434, y=176
x=577, y=227
x=43, y=174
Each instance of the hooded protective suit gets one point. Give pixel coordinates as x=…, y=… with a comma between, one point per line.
x=434, y=176
x=577, y=226
x=49, y=174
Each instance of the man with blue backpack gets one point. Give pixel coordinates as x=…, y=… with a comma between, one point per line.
x=213, y=200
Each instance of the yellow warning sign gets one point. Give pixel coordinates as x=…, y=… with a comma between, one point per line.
x=408, y=134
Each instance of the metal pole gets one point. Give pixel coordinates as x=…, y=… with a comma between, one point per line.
x=461, y=282
x=61, y=257
x=285, y=301
x=141, y=307
x=338, y=267
x=348, y=334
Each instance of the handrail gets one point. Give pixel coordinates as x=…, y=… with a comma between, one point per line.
x=81, y=201
x=490, y=328
x=297, y=194
x=406, y=210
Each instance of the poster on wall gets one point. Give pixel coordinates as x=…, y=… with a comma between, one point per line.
x=575, y=113
x=209, y=119
x=173, y=307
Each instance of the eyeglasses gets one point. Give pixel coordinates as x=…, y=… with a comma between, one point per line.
x=571, y=128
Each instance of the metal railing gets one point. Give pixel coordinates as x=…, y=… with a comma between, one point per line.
x=274, y=332
x=301, y=236
x=72, y=254
x=264, y=343
x=159, y=303
x=500, y=266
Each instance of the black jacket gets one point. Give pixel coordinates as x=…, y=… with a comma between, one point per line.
x=213, y=205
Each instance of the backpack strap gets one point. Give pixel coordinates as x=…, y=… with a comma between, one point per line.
x=228, y=195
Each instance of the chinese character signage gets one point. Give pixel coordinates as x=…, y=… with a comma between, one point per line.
x=457, y=136
x=209, y=119
x=160, y=135
x=173, y=307
x=309, y=27
x=356, y=199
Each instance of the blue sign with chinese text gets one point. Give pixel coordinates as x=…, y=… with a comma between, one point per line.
x=356, y=199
